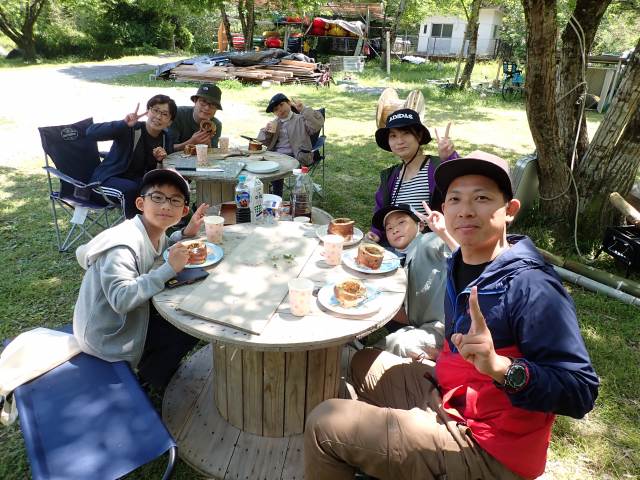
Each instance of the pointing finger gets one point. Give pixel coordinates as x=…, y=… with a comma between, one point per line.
x=446, y=132
x=143, y=114
x=426, y=208
x=478, y=323
x=437, y=136
x=137, y=108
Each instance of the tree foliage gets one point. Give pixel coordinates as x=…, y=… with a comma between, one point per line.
x=18, y=20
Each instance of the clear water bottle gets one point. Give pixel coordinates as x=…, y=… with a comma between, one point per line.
x=302, y=195
x=243, y=201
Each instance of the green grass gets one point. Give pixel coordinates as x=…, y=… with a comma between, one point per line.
x=38, y=286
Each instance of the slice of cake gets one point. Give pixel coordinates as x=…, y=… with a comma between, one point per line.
x=350, y=292
x=370, y=255
x=342, y=227
x=197, y=251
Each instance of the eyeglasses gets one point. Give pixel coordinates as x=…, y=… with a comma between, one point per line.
x=160, y=113
x=205, y=103
x=161, y=198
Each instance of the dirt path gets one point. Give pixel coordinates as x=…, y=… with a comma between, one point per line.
x=55, y=95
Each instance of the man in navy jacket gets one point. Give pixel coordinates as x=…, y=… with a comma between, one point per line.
x=137, y=148
x=512, y=359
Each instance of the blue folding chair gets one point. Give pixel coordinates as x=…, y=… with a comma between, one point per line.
x=75, y=158
x=90, y=419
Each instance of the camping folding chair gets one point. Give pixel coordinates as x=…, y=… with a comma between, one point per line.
x=317, y=142
x=87, y=204
x=89, y=418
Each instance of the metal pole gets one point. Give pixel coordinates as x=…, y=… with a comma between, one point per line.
x=388, y=54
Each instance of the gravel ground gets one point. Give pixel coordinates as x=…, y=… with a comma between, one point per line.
x=61, y=94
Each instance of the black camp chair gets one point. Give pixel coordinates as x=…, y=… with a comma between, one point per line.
x=88, y=204
x=317, y=142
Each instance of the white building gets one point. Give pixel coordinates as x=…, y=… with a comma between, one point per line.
x=443, y=35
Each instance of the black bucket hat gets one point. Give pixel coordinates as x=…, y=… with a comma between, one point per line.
x=399, y=119
x=381, y=215
x=166, y=176
x=276, y=100
x=475, y=163
x=211, y=93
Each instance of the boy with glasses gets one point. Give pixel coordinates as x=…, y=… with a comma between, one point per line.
x=137, y=148
x=113, y=317
x=187, y=128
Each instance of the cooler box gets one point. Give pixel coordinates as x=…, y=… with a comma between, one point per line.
x=347, y=64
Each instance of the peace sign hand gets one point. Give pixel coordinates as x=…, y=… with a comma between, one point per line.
x=434, y=220
x=445, y=145
x=476, y=346
x=131, y=118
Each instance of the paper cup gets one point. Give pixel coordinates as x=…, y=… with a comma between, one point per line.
x=201, y=153
x=333, y=249
x=223, y=143
x=300, y=295
x=213, y=226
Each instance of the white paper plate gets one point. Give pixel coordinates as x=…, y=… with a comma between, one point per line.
x=214, y=255
x=321, y=231
x=390, y=262
x=262, y=167
x=370, y=306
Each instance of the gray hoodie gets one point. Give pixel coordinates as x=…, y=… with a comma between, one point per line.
x=112, y=311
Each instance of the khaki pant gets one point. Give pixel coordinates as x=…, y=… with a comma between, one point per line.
x=398, y=432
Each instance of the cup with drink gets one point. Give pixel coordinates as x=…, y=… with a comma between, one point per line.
x=201, y=153
x=333, y=249
x=213, y=226
x=300, y=295
x=223, y=143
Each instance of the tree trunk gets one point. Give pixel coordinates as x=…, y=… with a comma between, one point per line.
x=227, y=25
x=249, y=25
x=472, y=36
x=22, y=35
x=588, y=14
x=540, y=16
x=612, y=160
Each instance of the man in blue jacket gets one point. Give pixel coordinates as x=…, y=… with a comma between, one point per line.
x=513, y=358
x=137, y=148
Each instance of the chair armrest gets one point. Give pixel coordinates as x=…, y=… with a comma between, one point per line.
x=316, y=146
x=65, y=178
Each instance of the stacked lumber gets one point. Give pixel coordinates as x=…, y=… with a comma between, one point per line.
x=287, y=71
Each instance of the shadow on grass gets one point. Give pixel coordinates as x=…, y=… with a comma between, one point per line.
x=38, y=288
x=104, y=72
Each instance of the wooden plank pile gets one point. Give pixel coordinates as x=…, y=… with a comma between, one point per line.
x=287, y=71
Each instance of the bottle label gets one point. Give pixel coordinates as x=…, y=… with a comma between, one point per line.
x=243, y=199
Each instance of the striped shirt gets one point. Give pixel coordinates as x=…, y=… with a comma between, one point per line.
x=413, y=191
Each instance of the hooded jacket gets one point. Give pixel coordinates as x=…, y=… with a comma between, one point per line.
x=125, y=139
x=530, y=316
x=300, y=127
x=112, y=311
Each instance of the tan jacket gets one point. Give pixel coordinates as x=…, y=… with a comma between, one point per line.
x=300, y=128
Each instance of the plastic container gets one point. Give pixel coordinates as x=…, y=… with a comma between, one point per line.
x=302, y=195
x=256, y=189
x=243, y=201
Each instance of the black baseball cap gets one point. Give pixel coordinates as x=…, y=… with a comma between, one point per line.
x=475, y=163
x=381, y=215
x=400, y=119
x=166, y=176
x=276, y=100
x=210, y=92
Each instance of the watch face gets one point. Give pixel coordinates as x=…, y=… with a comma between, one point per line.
x=516, y=376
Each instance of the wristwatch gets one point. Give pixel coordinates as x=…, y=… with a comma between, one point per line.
x=516, y=377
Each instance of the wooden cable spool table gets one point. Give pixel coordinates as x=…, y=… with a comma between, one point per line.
x=212, y=189
x=237, y=407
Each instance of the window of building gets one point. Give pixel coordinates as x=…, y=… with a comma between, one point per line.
x=426, y=27
x=496, y=31
x=442, y=30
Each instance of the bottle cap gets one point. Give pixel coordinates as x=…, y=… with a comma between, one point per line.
x=296, y=171
x=242, y=178
x=305, y=170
